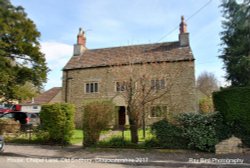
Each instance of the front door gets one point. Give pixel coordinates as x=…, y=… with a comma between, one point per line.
x=121, y=116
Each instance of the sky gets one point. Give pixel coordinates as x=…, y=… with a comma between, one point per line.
x=110, y=23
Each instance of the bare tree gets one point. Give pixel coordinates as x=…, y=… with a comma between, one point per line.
x=142, y=84
x=207, y=83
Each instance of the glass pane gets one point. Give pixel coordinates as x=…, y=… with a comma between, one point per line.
x=87, y=88
x=92, y=87
x=117, y=86
x=153, y=84
x=162, y=84
x=96, y=87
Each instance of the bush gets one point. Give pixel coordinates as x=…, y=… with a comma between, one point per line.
x=233, y=103
x=202, y=131
x=8, y=126
x=116, y=141
x=58, y=121
x=168, y=135
x=206, y=105
x=96, y=117
x=151, y=143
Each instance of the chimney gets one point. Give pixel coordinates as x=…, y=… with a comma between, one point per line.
x=184, y=35
x=80, y=46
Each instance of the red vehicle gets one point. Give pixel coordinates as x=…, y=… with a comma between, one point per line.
x=10, y=108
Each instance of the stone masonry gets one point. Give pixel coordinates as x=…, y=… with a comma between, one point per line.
x=231, y=145
x=172, y=62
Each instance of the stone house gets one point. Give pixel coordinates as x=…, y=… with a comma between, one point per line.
x=89, y=75
x=53, y=95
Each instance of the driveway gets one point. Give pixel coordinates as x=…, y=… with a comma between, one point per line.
x=74, y=156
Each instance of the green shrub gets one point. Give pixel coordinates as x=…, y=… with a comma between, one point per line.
x=234, y=105
x=58, y=120
x=96, y=117
x=116, y=141
x=168, y=135
x=206, y=105
x=202, y=131
x=8, y=126
x=151, y=143
x=42, y=136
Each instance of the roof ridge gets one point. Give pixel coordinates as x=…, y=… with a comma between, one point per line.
x=136, y=45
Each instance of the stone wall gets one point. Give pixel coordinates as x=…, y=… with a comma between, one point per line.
x=231, y=145
x=179, y=77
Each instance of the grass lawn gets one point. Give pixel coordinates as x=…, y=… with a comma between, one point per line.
x=33, y=139
x=22, y=138
x=77, y=137
x=117, y=140
x=148, y=134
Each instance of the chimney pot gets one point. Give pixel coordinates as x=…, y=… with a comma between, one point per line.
x=80, y=45
x=184, y=35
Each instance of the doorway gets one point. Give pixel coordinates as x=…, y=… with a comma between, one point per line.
x=121, y=116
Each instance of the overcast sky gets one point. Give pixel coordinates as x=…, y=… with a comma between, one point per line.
x=110, y=23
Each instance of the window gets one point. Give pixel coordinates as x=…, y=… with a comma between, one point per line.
x=158, y=84
x=120, y=86
x=158, y=111
x=91, y=87
x=8, y=115
x=35, y=107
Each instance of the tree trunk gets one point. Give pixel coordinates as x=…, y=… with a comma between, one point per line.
x=133, y=131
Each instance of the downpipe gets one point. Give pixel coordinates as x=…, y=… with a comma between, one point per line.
x=1, y=144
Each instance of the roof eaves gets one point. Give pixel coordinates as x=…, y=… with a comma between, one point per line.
x=124, y=64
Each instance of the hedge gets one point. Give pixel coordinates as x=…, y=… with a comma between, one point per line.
x=192, y=130
x=169, y=135
x=58, y=121
x=203, y=131
x=8, y=126
x=97, y=116
x=234, y=104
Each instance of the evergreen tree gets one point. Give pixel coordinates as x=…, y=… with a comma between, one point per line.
x=20, y=58
x=236, y=41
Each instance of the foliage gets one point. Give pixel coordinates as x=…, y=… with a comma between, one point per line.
x=206, y=105
x=8, y=126
x=236, y=40
x=152, y=143
x=202, y=131
x=25, y=92
x=38, y=136
x=58, y=120
x=96, y=117
x=207, y=83
x=169, y=135
x=42, y=136
x=233, y=103
x=116, y=141
x=20, y=58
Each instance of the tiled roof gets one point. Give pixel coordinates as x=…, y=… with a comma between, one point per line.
x=157, y=52
x=46, y=97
